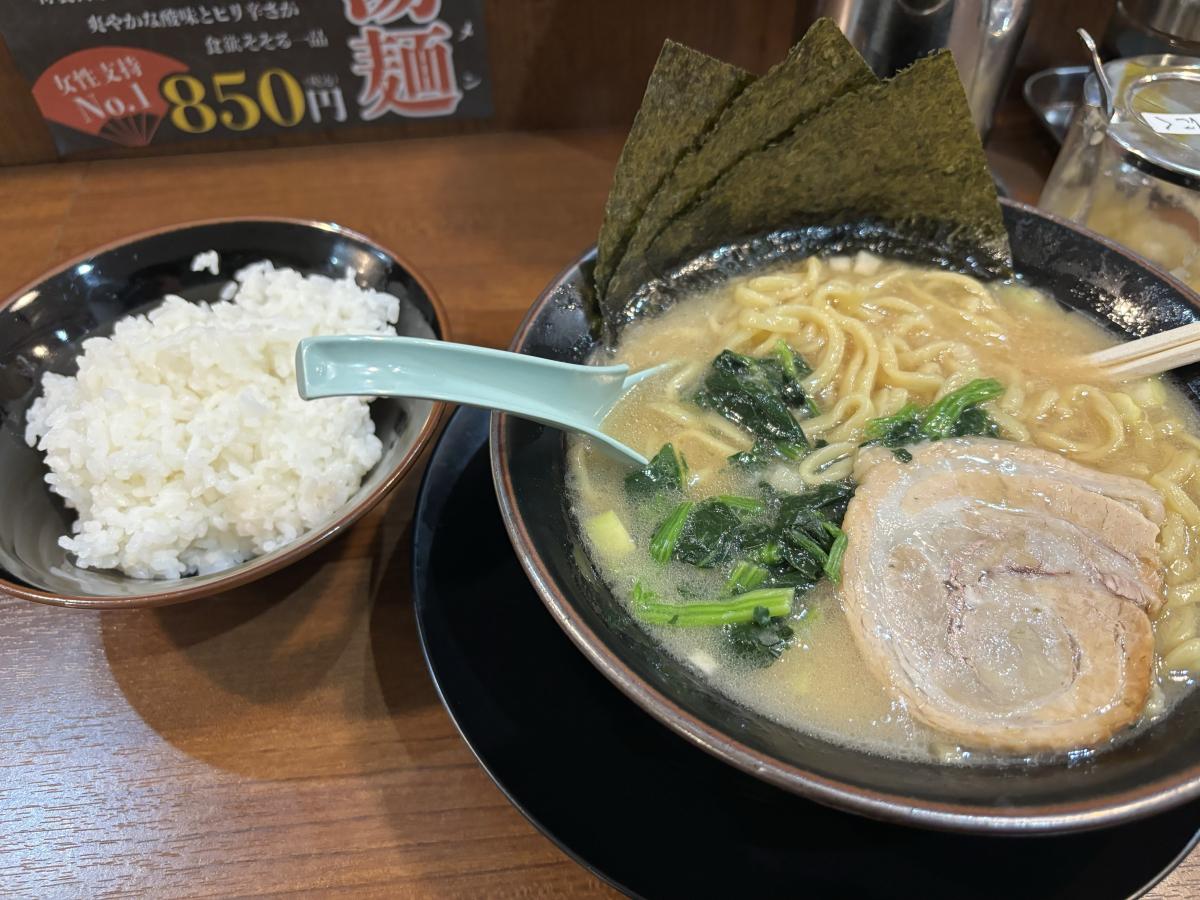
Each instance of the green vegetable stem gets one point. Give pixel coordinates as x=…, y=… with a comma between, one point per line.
x=666, y=536
x=776, y=602
x=745, y=576
x=833, y=560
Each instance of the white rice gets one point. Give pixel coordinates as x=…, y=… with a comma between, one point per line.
x=182, y=442
x=208, y=261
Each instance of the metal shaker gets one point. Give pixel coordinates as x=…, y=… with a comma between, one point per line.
x=983, y=35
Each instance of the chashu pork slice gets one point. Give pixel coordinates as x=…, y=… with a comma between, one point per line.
x=1005, y=592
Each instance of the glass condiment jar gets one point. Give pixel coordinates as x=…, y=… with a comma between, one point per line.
x=1134, y=175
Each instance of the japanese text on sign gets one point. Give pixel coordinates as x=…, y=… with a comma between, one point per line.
x=116, y=71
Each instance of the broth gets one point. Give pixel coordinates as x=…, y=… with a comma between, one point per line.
x=879, y=334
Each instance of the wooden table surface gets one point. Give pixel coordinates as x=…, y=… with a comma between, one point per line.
x=285, y=737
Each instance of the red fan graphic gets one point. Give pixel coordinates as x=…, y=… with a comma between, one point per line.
x=110, y=92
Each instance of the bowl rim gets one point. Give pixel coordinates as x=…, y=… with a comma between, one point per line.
x=1044, y=818
x=256, y=568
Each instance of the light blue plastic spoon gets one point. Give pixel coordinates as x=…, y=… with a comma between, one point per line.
x=562, y=395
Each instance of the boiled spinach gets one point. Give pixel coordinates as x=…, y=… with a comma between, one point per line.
x=712, y=534
x=783, y=540
x=765, y=451
x=758, y=394
x=958, y=414
x=667, y=471
x=760, y=641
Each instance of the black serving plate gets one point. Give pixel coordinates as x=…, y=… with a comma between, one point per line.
x=645, y=809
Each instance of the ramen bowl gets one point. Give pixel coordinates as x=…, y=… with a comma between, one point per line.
x=44, y=324
x=1156, y=769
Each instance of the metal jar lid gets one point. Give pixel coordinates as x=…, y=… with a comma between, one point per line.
x=1156, y=117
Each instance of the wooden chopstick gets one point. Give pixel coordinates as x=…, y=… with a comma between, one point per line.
x=1149, y=355
x=1157, y=363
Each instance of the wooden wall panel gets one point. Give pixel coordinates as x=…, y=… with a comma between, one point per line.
x=23, y=134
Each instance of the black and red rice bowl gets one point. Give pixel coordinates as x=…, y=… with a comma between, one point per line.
x=44, y=324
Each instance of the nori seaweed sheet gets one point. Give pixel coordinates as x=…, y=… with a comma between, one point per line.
x=903, y=156
x=821, y=67
x=905, y=151
x=685, y=95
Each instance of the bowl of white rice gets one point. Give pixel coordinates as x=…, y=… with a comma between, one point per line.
x=153, y=445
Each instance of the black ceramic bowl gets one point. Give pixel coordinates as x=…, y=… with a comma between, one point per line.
x=1160, y=769
x=43, y=324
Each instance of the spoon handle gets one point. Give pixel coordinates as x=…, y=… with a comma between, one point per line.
x=1107, y=95
x=554, y=393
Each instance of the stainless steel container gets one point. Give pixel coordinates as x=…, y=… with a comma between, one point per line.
x=1140, y=27
x=1134, y=174
x=983, y=35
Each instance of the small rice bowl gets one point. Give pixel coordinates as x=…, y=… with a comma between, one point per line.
x=182, y=442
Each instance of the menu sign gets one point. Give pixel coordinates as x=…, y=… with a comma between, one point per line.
x=135, y=72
